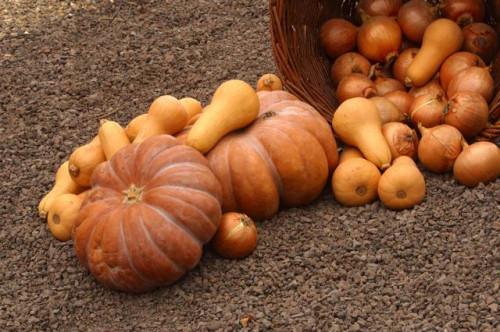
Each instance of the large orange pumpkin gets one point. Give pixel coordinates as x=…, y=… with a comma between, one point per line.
x=284, y=157
x=149, y=212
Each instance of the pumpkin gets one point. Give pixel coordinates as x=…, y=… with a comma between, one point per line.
x=284, y=157
x=150, y=210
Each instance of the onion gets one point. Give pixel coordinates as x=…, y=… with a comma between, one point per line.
x=463, y=11
x=349, y=63
x=403, y=62
x=402, y=100
x=384, y=85
x=468, y=112
x=432, y=88
x=439, y=147
x=402, y=140
x=236, y=236
x=379, y=39
x=369, y=8
x=456, y=63
x=478, y=162
x=481, y=39
x=355, y=85
x=473, y=79
x=338, y=36
x=387, y=110
x=428, y=110
x=414, y=17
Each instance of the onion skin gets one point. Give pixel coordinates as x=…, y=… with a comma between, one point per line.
x=388, y=111
x=379, y=39
x=338, y=36
x=402, y=63
x=463, y=12
x=402, y=100
x=236, y=236
x=433, y=88
x=439, y=147
x=473, y=79
x=455, y=63
x=349, y=63
x=384, y=85
x=428, y=110
x=478, y=162
x=481, y=39
x=468, y=112
x=402, y=140
x=355, y=85
x=414, y=17
x=369, y=8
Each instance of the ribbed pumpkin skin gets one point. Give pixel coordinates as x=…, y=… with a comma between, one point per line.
x=285, y=155
x=139, y=243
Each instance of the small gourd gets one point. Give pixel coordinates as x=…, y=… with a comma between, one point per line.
x=112, y=137
x=84, y=160
x=62, y=215
x=135, y=125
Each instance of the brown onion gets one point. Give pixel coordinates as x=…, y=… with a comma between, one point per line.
x=428, y=110
x=236, y=236
x=402, y=100
x=473, y=79
x=384, y=85
x=468, y=112
x=402, y=140
x=478, y=162
x=388, y=111
x=432, y=88
x=439, y=147
x=369, y=8
x=349, y=63
x=414, y=17
x=402, y=63
x=455, y=63
x=481, y=39
x=379, y=39
x=355, y=85
x=338, y=36
x=463, y=11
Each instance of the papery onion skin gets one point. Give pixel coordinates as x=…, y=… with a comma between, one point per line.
x=369, y=8
x=402, y=63
x=384, y=85
x=463, y=12
x=481, y=39
x=349, y=63
x=402, y=100
x=355, y=85
x=428, y=110
x=388, y=111
x=414, y=17
x=455, y=63
x=468, y=112
x=473, y=79
x=439, y=147
x=478, y=162
x=433, y=87
x=236, y=236
x=402, y=140
x=338, y=36
x=379, y=39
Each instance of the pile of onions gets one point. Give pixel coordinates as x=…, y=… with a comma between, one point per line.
x=428, y=110
x=473, y=79
x=338, y=36
x=349, y=63
x=379, y=39
x=439, y=147
x=481, y=39
x=369, y=8
x=355, y=85
x=384, y=85
x=431, y=88
x=468, y=112
x=414, y=17
x=463, y=11
x=402, y=100
x=455, y=63
x=478, y=162
x=388, y=111
x=402, y=140
x=403, y=62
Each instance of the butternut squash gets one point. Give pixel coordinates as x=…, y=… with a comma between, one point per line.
x=112, y=137
x=166, y=116
x=84, y=160
x=62, y=215
x=234, y=105
x=357, y=122
x=402, y=185
x=442, y=38
x=269, y=82
x=64, y=184
x=191, y=105
x=135, y=125
x=193, y=119
x=355, y=180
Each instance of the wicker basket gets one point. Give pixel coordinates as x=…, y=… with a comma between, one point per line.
x=305, y=68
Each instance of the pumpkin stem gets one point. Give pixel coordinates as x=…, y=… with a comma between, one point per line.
x=133, y=194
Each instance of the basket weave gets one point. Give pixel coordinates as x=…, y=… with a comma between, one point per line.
x=304, y=67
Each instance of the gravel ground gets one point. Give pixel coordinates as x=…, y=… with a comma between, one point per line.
x=64, y=65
